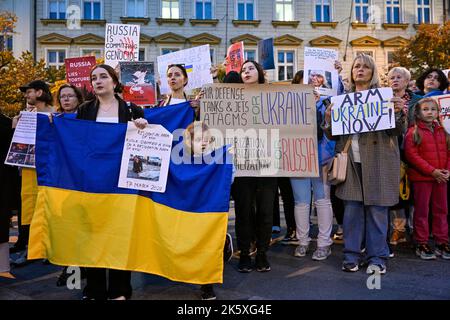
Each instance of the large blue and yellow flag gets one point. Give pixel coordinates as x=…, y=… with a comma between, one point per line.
x=82, y=218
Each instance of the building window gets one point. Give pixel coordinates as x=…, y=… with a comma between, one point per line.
x=285, y=65
x=6, y=43
x=55, y=58
x=203, y=9
x=171, y=9
x=323, y=10
x=368, y=53
x=168, y=50
x=390, y=58
x=212, y=55
x=424, y=11
x=362, y=11
x=141, y=54
x=136, y=8
x=97, y=53
x=250, y=55
x=245, y=9
x=92, y=9
x=284, y=10
x=393, y=11
x=57, y=9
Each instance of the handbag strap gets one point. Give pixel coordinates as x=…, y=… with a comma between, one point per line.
x=347, y=145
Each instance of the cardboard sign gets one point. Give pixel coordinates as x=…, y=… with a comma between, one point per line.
x=197, y=62
x=320, y=71
x=78, y=70
x=272, y=127
x=138, y=79
x=364, y=111
x=145, y=158
x=235, y=57
x=121, y=43
x=265, y=54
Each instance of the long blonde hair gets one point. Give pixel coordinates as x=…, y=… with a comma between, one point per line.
x=375, y=81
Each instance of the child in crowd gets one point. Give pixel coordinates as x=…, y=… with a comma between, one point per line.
x=427, y=151
x=198, y=142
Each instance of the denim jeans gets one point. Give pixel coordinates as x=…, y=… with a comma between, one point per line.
x=302, y=189
x=365, y=226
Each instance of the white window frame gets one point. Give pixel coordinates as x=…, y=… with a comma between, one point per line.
x=170, y=48
x=101, y=49
x=102, y=8
x=361, y=5
x=250, y=48
x=47, y=49
x=362, y=50
x=213, y=7
x=47, y=9
x=180, y=6
x=145, y=53
x=316, y=2
x=423, y=6
x=283, y=2
x=400, y=5
x=255, y=5
x=387, y=56
x=145, y=15
x=294, y=62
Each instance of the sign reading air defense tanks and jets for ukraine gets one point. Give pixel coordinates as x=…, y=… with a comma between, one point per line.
x=364, y=111
x=271, y=127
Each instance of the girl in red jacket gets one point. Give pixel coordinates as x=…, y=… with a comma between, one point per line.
x=427, y=151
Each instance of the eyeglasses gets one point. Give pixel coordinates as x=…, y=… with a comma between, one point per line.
x=69, y=96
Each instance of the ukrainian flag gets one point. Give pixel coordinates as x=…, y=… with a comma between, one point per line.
x=189, y=68
x=82, y=218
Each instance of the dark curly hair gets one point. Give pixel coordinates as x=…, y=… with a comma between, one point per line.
x=443, y=81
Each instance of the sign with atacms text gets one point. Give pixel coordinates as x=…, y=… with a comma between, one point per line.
x=78, y=70
x=363, y=111
x=272, y=128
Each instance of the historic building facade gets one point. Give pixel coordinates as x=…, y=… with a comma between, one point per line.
x=376, y=27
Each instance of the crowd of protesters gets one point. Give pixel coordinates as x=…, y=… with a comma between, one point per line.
x=372, y=211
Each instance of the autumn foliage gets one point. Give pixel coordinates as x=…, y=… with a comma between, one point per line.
x=430, y=47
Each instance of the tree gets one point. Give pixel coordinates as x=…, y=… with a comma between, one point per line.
x=430, y=47
x=15, y=72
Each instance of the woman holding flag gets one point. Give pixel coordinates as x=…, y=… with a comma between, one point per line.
x=108, y=107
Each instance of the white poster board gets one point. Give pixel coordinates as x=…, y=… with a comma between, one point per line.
x=319, y=70
x=22, y=149
x=444, y=110
x=121, y=43
x=145, y=158
x=364, y=111
x=197, y=62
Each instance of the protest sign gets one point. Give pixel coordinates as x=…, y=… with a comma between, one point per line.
x=235, y=57
x=22, y=149
x=319, y=70
x=78, y=70
x=272, y=127
x=145, y=158
x=121, y=43
x=265, y=54
x=197, y=62
x=138, y=79
x=444, y=110
x=447, y=73
x=364, y=111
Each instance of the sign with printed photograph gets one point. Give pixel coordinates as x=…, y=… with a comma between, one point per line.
x=319, y=70
x=22, y=149
x=145, y=158
x=138, y=79
x=265, y=54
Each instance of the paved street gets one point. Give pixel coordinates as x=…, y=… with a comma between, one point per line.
x=291, y=278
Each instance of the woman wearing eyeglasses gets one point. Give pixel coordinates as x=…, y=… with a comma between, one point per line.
x=69, y=98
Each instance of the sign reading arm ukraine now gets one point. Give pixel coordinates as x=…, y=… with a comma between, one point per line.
x=83, y=218
x=363, y=111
